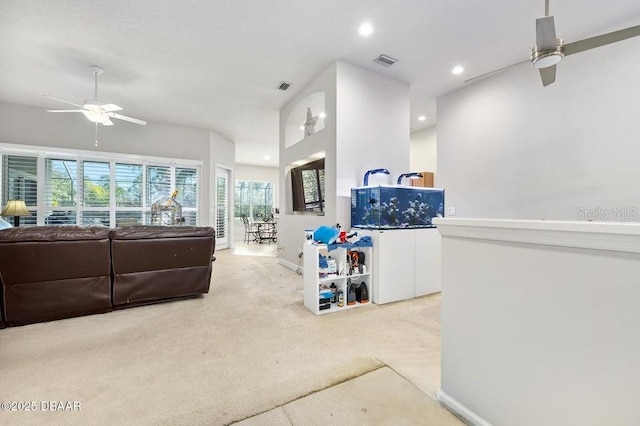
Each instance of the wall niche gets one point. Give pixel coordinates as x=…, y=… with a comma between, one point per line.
x=306, y=118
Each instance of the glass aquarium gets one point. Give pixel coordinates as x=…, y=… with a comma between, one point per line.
x=395, y=207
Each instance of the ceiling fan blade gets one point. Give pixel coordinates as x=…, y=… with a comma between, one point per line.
x=487, y=74
x=110, y=107
x=65, y=110
x=125, y=118
x=548, y=75
x=601, y=40
x=545, y=33
x=62, y=100
x=107, y=122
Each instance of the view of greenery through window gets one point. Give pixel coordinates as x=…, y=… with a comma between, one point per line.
x=307, y=187
x=253, y=199
x=128, y=185
x=74, y=188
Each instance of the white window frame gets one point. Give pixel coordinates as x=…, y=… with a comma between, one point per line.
x=251, y=201
x=80, y=156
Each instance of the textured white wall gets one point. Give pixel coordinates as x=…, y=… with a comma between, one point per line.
x=539, y=322
x=292, y=225
x=424, y=151
x=366, y=127
x=372, y=131
x=509, y=148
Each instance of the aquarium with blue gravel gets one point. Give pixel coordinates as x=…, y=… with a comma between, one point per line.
x=395, y=207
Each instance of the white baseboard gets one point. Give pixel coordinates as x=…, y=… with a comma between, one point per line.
x=459, y=409
x=289, y=265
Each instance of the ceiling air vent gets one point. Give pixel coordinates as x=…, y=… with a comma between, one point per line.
x=385, y=60
x=283, y=85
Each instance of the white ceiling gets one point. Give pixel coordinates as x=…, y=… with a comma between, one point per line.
x=215, y=64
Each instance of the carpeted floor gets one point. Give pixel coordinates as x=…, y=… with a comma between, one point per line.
x=248, y=346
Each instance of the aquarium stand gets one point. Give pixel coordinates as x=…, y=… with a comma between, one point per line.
x=406, y=263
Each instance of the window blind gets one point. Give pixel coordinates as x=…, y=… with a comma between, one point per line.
x=96, y=195
x=20, y=182
x=187, y=186
x=158, y=183
x=86, y=192
x=60, y=191
x=128, y=185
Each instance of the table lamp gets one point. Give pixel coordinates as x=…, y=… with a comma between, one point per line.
x=15, y=208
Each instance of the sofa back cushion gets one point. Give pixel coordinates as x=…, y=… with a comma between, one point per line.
x=152, y=248
x=153, y=263
x=49, y=253
x=52, y=272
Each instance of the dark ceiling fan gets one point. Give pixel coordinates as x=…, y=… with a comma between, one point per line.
x=550, y=50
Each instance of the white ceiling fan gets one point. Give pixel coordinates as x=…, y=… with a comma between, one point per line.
x=93, y=109
x=550, y=50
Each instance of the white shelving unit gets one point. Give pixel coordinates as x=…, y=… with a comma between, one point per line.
x=313, y=283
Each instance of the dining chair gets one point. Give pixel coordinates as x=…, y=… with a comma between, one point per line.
x=250, y=232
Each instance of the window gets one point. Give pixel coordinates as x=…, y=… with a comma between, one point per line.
x=187, y=187
x=20, y=182
x=61, y=185
x=129, y=194
x=96, y=193
x=158, y=183
x=128, y=185
x=253, y=199
x=83, y=191
x=307, y=187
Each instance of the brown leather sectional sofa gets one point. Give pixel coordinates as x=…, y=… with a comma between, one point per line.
x=54, y=272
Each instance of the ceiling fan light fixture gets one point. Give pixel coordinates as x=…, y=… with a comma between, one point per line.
x=95, y=117
x=547, y=58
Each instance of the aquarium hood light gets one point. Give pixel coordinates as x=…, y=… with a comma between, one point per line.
x=373, y=172
x=412, y=175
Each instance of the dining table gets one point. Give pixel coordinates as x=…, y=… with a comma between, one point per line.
x=266, y=230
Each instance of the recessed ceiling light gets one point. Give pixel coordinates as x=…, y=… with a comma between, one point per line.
x=266, y=157
x=322, y=115
x=301, y=127
x=457, y=70
x=365, y=29
x=422, y=118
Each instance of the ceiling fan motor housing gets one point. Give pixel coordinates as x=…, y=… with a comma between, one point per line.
x=547, y=58
x=92, y=104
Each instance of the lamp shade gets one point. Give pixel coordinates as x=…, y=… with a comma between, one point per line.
x=15, y=208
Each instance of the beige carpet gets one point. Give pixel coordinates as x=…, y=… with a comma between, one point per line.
x=248, y=346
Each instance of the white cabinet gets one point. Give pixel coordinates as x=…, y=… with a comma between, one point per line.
x=406, y=263
x=315, y=280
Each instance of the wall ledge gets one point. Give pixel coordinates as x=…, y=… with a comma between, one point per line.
x=460, y=410
x=609, y=236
